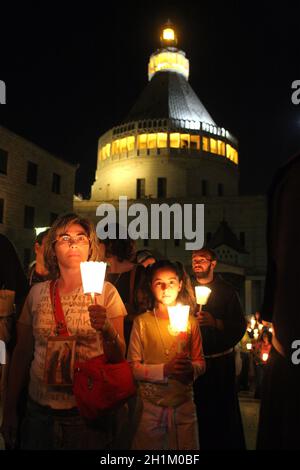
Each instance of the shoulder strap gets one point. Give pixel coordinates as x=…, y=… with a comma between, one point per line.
x=58, y=313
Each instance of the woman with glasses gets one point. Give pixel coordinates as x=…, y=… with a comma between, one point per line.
x=52, y=420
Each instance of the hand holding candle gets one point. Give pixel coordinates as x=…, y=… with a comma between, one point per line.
x=92, y=275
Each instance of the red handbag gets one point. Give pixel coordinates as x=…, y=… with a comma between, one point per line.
x=100, y=386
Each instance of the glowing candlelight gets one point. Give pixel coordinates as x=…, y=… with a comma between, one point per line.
x=255, y=331
x=249, y=330
x=265, y=357
x=178, y=317
x=260, y=326
x=92, y=275
x=252, y=321
x=256, y=335
x=249, y=346
x=202, y=294
x=271, y=330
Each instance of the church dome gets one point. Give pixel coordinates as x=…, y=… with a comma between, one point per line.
x=168, y=145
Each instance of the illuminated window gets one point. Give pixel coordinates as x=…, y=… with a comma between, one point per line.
x=205, y=144
x=221, y=148
x=184, y=141
x=171, y=61
x=213, y=146
x=130, y=143
x=175, y=140
x=232, y=154
x=115, y=147
x=123, y=145
x=151, y=141
x=105, y=152
x=142, y=141
x=195, y=142
x=162, y=139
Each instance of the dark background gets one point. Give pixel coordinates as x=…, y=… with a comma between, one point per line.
x=73, y=71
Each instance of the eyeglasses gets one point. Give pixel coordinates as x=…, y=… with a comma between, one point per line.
x=68, y=240
x=201, y=261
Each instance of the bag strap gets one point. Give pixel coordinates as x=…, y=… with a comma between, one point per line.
x=58, y=313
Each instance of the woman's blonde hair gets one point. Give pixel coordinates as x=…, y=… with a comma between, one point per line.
x=61, y=224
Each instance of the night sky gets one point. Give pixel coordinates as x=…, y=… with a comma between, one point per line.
x=73, y=71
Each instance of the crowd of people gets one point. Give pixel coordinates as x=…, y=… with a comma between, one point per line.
x=186, y=397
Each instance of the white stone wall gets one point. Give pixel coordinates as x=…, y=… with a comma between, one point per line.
x=184, y=171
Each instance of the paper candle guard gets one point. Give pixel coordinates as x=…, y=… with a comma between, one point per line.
x=92, y=275
x=202, y=294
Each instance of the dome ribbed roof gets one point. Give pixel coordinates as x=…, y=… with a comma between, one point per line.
x=169, y=96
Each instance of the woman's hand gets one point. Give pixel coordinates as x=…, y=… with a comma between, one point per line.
x=97, y=316
x=180, y=368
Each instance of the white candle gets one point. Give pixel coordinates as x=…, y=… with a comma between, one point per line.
x=179, y=316
x=252, y=321
x=92, y=275
x=265, y=357
x=202, y=294
x=249, y=346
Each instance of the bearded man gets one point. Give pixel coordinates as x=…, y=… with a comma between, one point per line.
x=222, y=325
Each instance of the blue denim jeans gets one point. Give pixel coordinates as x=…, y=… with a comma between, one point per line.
x=45, y=429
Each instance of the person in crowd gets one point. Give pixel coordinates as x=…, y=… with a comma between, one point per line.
x=127, y=276
x=145, y=257
x=165, y=375
x=13, y=287
x=13, y=290
x=129, y=280
x=52, y=420
x=261, y=353
x=222, y=324
x=280, y=399
x=37, y=271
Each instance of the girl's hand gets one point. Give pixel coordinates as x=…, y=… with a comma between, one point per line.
x=97, y=316
x=180, y=368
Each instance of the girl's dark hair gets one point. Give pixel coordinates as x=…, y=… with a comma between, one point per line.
x=186, y=295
